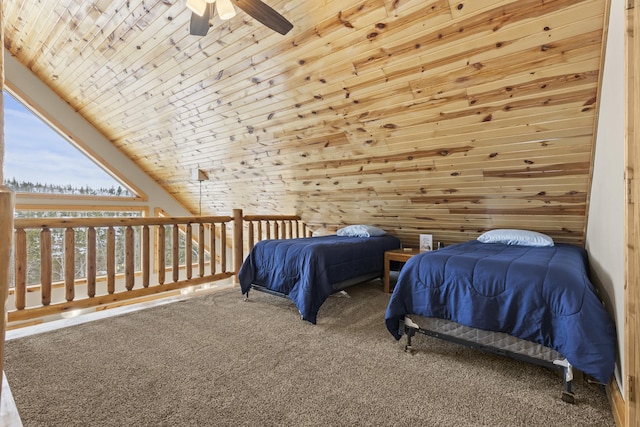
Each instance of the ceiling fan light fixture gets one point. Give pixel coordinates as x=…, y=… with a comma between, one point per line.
x=225, y=9
x=199, y=7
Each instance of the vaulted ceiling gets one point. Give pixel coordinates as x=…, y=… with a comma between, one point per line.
x=443, y=117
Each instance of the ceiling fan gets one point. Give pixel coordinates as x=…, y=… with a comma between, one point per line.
x=202, y=13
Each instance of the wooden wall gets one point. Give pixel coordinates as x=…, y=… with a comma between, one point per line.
x=442, y=117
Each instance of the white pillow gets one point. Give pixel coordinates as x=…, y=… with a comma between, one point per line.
x=516, y=237
x=360, y=230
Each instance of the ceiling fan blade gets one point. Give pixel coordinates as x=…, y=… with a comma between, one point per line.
x=199, y=25
x=265, y=14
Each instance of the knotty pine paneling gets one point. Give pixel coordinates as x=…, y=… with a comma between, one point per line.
x=448, y=117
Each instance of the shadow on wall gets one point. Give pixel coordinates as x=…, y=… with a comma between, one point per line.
x=603, y=283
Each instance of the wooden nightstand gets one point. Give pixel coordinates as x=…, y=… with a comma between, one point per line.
x=400, y=255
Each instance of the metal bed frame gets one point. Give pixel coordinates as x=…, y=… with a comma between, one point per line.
x=509, y=346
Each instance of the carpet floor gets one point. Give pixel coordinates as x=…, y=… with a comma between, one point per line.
x=216, y=360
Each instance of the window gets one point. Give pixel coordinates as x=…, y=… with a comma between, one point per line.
x=38, y=159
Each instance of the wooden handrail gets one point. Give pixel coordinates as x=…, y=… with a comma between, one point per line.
x=271, y=218
x=34, y=223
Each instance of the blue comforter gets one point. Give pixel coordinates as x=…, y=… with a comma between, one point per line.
x=541, y=295
x=306, y=269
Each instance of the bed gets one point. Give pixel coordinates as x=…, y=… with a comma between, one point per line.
x=533, y=303
x=308, y=270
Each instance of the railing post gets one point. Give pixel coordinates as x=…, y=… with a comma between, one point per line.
x=238, y=243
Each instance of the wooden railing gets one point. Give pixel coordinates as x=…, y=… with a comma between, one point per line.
x=144, y=268
x=262, y=227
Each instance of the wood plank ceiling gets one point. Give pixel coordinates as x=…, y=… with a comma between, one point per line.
x=444, y=117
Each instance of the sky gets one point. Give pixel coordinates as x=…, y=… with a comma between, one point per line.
x=36, y=153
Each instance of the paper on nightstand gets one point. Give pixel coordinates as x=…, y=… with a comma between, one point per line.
x=426, y=242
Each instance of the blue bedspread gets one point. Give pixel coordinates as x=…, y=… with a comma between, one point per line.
x=305, y=269
x=542, y=295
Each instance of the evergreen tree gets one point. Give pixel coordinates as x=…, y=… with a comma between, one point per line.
x=30, y=187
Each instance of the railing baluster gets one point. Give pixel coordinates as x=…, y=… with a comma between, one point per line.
x=91, y=262
x=162, y=262
x=274, y=227
x=223, y=246
x=176, y=252
x=111, y=260
x=69, y=263
x=45, y=266
x=213, y=248
x=238, y=232
x=250, y=236
x=129, y=258
x=189, y=250
x=20, y=268
x=145, y=256
x=201, y=230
